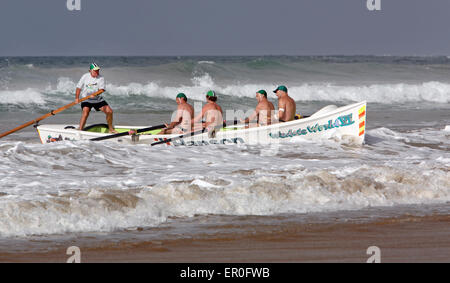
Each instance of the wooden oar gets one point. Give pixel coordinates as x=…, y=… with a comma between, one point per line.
x=128, y=133
x=179, y=137
x=225, y=124
x=52, y=113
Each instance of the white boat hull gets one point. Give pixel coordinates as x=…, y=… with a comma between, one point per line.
x=327, y=123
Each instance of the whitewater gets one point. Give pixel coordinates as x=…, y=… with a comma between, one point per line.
x=87, y=187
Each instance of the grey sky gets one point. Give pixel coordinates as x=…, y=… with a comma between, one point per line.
x=224, y=27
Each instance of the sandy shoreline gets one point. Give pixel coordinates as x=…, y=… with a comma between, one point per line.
x=404, y=239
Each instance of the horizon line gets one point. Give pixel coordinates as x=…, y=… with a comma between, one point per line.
x=240, y=55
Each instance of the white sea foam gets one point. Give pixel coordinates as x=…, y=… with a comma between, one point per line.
x=206, y=62
x=84, y=186
x=386, y=93
x=22, y=97
x=389, y=93
x=435, y=92
x=380, y=93
x=108, y=209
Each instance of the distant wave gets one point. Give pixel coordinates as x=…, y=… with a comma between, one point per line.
x=22, y=97
x=380, y=93
x=434, y=92
x=206, y=62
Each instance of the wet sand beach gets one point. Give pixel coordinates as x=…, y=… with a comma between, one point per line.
x=402, y=239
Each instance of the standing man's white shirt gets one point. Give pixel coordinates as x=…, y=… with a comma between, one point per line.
x=90, y=85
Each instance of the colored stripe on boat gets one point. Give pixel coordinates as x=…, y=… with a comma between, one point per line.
x=362, y=120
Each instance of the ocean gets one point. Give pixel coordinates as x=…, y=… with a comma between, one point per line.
x=95, y=193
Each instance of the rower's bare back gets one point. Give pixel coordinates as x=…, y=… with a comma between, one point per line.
x=186, y=113
x=213, y=114
x=265, y=111
x=288, y=104
x=186, y=107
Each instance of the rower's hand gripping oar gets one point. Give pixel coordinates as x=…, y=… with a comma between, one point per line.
x=129, y=133
x=52, y=113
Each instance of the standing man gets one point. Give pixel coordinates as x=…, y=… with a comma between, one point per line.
x=90, y=83
x=286, y=105
x=263, y=112
x=182, y=123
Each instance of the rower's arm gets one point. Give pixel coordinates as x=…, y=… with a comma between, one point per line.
x=281, y=111
x=77, y=95
x=251, y=117
x=177, y=120
x=172, y=125
x=199, y=117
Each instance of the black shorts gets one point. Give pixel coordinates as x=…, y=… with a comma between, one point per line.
x=96, y=106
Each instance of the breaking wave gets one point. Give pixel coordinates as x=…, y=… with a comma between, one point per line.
x=431, y=92
x=109, y=209
x=24, y=97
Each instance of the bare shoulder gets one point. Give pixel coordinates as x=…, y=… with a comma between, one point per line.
x=264, y=105
x=271, y=105
x=259, y=106
x=184, y=106
x=207, y=106
x=282, y=102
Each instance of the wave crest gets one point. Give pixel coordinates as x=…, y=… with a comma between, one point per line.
x=432, y=92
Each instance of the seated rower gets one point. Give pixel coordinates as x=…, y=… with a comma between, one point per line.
x=263, y=112
x=286, y=105
x=212, y=114
x=182, y=123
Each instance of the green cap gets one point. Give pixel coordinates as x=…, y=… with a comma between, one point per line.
x=211, y=93
x=181, y=95
x=263, y=92
x=281, y=87
x=94, y=67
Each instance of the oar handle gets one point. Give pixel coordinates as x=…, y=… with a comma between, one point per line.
x=179, y=137
x=230, y=122
x=233, y=122
x=128, y=133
